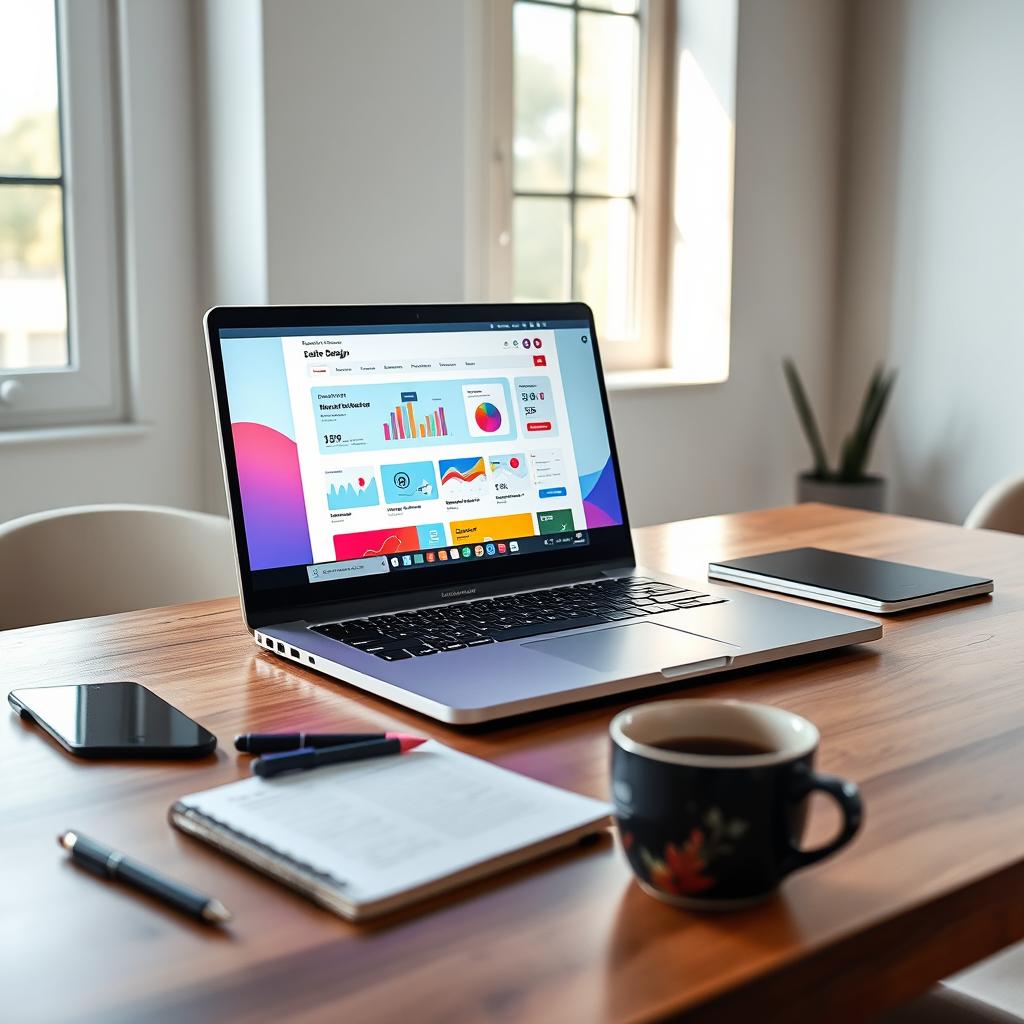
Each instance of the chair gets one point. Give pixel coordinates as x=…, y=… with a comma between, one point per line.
x=997, y=983
x=990, y=992
x=96, y=559
x=946, y=1005
x=1001, y=507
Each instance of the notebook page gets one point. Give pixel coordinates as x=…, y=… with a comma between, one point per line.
x=383, y=826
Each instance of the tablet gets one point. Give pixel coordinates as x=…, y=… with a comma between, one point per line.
x=867, y=584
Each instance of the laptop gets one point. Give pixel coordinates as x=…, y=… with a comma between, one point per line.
x=427, y=505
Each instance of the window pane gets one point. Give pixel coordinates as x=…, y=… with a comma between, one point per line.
x=33, y=298
x=621, y=6
x=542, y=70
x=29, y=136
x=541, y=249
x=605, y=263
x=606, y=119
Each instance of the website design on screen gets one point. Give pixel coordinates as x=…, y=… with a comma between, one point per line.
x=368, y=453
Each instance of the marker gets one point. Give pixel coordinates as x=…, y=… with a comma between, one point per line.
x=272, y=742
x=102, y=860
x=310, y=757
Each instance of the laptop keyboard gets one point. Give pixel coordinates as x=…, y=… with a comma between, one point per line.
x=491, y=620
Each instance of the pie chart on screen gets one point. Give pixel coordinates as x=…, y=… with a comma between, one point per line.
x=488, y=417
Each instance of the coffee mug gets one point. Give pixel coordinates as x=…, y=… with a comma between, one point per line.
x=711, y=799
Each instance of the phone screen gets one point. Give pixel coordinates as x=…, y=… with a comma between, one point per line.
x=113, y=719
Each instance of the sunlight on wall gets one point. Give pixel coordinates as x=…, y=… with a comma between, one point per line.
x=703, y=192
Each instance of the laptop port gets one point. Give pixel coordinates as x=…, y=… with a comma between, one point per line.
x=312, y=661
x=280, y=647
x=294, y=653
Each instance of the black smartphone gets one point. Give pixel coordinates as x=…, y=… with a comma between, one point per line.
x=112, y=720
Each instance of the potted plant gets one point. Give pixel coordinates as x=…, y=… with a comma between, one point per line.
x=850, y=484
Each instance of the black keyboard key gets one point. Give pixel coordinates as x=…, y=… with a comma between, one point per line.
x=534, y=613
x=354, y=626
x=332, y=630
x=416, y=647
x=699, y=602
x=539, y=628
x=387, y=645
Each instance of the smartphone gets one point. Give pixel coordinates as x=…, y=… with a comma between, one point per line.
x=112, y=720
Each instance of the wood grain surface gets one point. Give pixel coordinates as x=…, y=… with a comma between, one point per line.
x=929, y=720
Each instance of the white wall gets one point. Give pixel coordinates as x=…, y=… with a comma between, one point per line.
x=367, y=157
x=158, y=463
x=934, y=242
x=231, y=181
x=371, y=191
x=373, y=137
x=723, y=447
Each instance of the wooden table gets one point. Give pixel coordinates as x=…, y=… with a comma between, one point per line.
x=929, y=721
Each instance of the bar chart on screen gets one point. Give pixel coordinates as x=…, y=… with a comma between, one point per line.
x=405, y=423
x=354, y=417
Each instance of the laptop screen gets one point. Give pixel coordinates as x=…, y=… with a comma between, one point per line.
x=362, y=453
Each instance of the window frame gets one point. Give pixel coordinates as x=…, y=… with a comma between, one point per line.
x=90, y=388
x=650, y=348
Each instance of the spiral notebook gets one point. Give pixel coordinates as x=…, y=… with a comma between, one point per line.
x=368, y=837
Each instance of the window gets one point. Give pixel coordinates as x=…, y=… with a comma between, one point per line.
x=59, y=300
x=581, y=214
x=33, y=294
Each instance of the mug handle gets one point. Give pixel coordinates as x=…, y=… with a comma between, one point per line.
x=846, y=794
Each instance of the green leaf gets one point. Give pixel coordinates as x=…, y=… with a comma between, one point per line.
x=857, y=447
x=807, y=419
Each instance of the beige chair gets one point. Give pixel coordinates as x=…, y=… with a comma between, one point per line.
x=946, y=1005
x=990, y=992
x=95, y=559
x=1001, y=507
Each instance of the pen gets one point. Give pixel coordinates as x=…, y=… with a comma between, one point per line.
x=272, y=742
x=102, y=860
x=310, y=757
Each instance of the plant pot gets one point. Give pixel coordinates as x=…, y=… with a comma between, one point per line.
x=868, y=493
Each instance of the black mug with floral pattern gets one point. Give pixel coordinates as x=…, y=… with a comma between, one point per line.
x=719, y=830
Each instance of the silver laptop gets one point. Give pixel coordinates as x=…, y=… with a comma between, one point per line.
x=427, y=505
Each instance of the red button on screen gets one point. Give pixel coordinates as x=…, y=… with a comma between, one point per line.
x=538, y=425
x=540, y=360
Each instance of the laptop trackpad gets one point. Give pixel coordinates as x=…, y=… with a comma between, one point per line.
x=639, y=649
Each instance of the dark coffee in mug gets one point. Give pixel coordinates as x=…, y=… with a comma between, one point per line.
x=711, y=798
